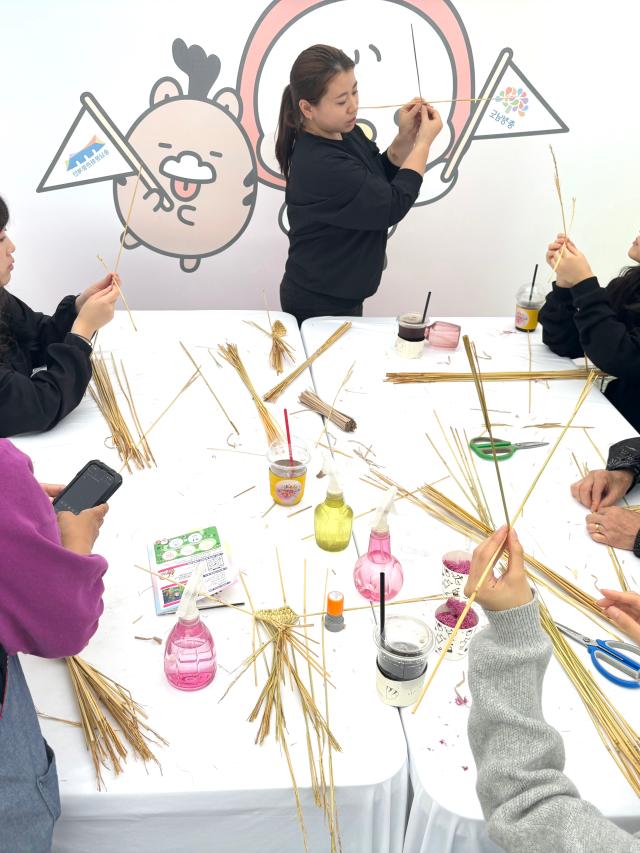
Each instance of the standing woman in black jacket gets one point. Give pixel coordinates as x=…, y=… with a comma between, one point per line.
x=34, y=402
x=342, y=194
x=581, y=318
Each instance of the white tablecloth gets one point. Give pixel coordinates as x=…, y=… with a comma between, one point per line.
x=216, y=789
x=445, y=814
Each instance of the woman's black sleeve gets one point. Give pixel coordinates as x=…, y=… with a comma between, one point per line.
x=37, y=403
x=559, y=330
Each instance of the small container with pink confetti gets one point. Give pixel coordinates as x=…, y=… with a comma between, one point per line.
x=455, y=571
x=447, y=616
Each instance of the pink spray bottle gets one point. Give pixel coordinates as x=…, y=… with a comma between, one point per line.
x=366, y=574
x=190, y=653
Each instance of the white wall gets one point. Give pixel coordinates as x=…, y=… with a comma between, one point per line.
x=473, y=248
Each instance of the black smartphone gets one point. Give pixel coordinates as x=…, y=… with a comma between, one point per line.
x=91, y=486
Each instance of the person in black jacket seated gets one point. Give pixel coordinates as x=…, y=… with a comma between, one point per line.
x=600, y=490
x=581, y=318
x=342, y=195
x=34, y=402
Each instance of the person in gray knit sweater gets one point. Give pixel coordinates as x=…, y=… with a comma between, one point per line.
x=529, y=804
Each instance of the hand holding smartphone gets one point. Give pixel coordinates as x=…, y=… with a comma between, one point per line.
x=91, y=486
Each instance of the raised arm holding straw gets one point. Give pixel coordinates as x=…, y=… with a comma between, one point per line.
x=528, y=802
x=580, y=318
x=34, y=402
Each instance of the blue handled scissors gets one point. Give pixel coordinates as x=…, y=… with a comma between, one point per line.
x=602, y=651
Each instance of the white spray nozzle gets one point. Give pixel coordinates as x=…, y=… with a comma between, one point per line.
x=188, y=608
x=380, y=523
x=330, y=469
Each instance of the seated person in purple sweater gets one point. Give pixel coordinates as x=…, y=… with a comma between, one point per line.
x=34, y=402
x=529, y=804
x=581, y=318
x=50, y=605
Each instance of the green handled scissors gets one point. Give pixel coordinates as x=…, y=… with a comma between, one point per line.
x=483, y=447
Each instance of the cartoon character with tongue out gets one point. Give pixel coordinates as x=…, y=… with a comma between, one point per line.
x=201, y=156
x=197, y=169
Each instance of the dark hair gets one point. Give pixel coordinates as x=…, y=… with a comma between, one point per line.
x=310, y=76
x=5, y=335
x=624, y=296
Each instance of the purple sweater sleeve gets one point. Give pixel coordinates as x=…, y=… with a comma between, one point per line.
x=51, y=597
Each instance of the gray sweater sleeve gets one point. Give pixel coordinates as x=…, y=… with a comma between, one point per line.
x=528, y=802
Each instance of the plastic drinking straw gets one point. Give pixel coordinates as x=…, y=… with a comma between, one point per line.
x=382, y=609
x=426, y=307
x=535, y=273
x=286, y=423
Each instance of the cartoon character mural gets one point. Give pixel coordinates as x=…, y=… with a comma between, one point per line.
x=195, y=161
x=200, y=158
x=376, y=33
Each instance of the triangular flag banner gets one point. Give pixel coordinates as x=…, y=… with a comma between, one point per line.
x=516, y=108
x=88, y=153
x=508, y=105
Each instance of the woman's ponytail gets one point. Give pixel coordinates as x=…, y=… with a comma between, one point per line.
x=288, y=123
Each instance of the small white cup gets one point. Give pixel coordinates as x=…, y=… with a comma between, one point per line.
x=453, y=582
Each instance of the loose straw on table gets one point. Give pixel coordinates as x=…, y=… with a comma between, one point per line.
x=215, y=396
x=508, y=376
x=583, y=396
x=278, y=389
x=187, y=384
x=232, y=356
x=345, y=379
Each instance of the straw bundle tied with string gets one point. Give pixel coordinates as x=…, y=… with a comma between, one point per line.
x=311, y=400
x=280, y=349
x=232, y=356
x=478, y=382
x=103, y=393
x=97, y=693
x=346, y=378
x=278, y=389
x=507, y=376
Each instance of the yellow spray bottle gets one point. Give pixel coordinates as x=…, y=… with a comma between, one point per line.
x=333, y=518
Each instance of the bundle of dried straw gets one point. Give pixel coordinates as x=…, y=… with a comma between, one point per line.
x=277, y=390
x=97, y=693
x=508, y=376
x=344, y=422
x=280, y=349
x=103, y=393
x=232, y=356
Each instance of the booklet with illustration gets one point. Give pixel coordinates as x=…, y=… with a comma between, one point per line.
x=173, y=560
